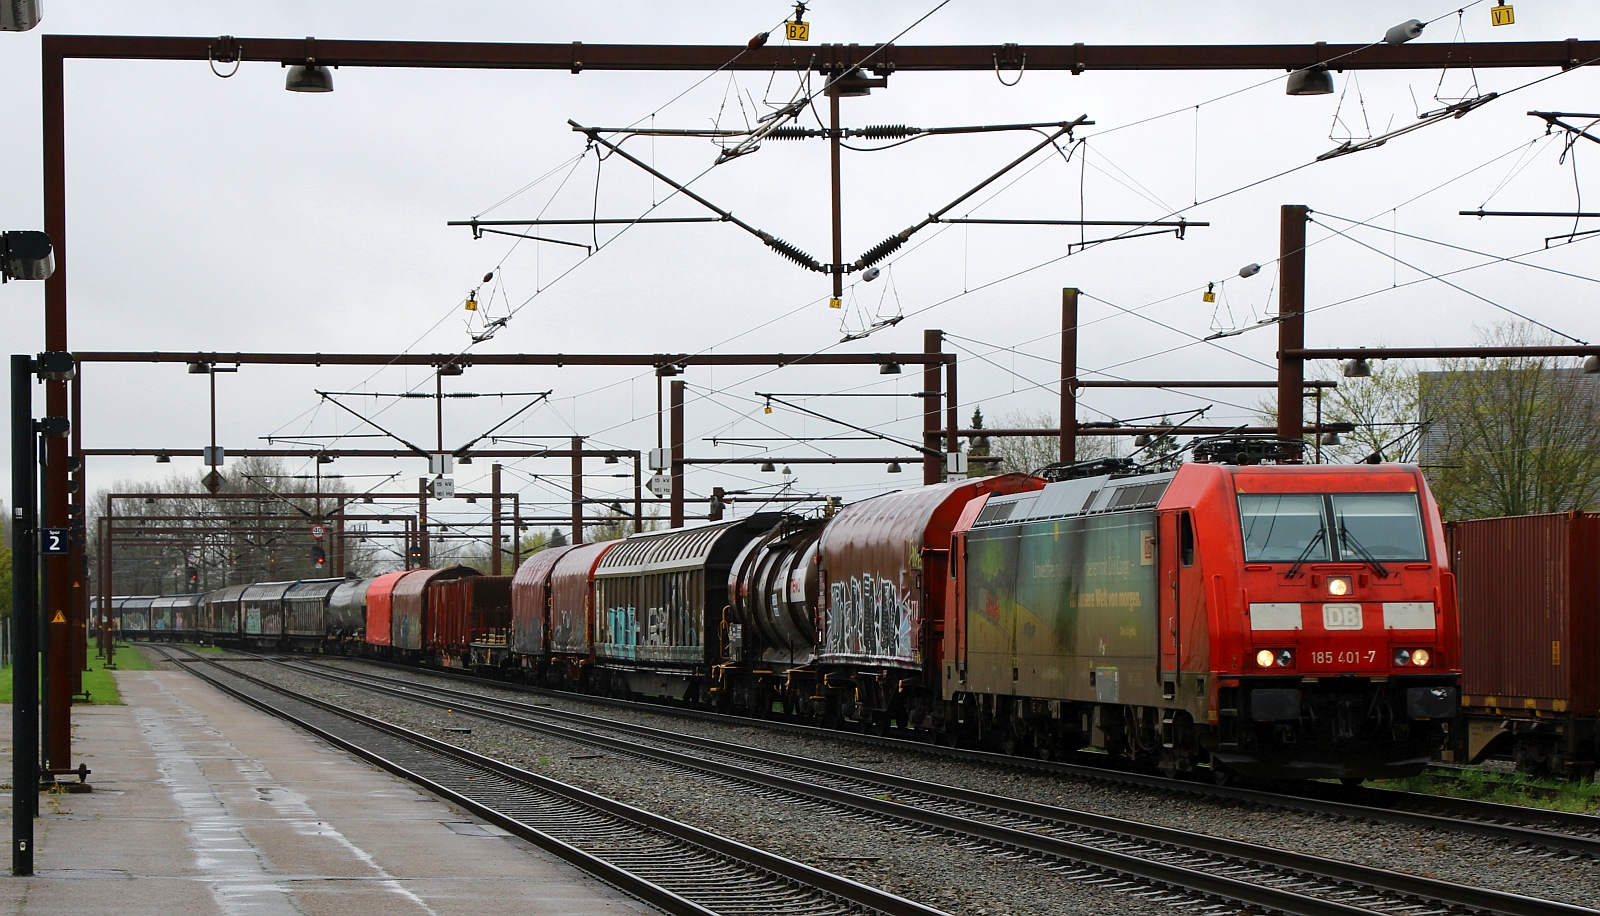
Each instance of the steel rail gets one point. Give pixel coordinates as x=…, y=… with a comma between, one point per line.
x=756, y=865
x=1560, y=831
x=920, y=802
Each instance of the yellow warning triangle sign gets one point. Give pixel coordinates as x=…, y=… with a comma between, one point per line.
x=59, y=618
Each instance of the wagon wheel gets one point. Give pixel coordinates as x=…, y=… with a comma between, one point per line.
x=1222, y=775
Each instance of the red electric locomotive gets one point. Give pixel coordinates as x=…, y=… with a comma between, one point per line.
x=1275, y=620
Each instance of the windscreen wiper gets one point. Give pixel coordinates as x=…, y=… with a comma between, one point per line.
x=1346, y=538
x=1306, y=553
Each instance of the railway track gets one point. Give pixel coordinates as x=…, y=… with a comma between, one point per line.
x=1163, y=861
x=673, y=866
x=1521, y=828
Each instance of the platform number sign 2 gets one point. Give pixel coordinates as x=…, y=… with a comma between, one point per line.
x=1502, y=14
x=54, y=540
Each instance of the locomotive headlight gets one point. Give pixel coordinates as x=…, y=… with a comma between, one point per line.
x=1274, y=658
x=1402, y=657
x=1338, y=586
x=1420, y=658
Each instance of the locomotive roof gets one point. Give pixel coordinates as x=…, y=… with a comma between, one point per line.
x=1080, y=496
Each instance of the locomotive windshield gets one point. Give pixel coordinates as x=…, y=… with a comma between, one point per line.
x=1348, y=527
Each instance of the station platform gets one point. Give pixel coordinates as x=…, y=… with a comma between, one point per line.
x=203, y=805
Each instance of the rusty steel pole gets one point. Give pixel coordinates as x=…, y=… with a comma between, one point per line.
x=675, y=507
x=495, y=550
x=1291, y=315
x=1069, y=375
x=932, y=464
x=577, y=489
x=424, y=549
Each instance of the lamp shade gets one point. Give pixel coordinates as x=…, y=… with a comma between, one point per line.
x=310, y=77
x=1310, y=81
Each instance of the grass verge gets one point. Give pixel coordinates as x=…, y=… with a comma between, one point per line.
x=97, y=681
x=1580, y=796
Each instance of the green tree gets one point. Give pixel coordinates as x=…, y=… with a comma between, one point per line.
x=1163, y=453
x=978, y=447
x=1511, y=435
x=5, y=579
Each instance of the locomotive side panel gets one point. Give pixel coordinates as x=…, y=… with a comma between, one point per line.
x=1064, y=609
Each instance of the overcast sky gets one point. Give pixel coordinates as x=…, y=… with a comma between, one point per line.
x=229, y=215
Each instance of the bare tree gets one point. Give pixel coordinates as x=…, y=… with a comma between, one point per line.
x=1026, y=454
x=1511, y=435
x=1383, y=410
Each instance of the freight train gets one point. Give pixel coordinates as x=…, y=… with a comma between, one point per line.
x=1267, y=620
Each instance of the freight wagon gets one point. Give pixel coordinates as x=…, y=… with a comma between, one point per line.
x=1530, y=634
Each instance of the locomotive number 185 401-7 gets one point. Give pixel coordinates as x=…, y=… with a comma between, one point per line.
x=1344, y=657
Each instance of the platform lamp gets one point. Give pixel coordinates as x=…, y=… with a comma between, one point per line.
x=1358, y=368
x=1310, y=81
x=309, y=76
x=1591, y=365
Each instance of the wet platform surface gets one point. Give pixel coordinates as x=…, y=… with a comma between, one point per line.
x=204, y=805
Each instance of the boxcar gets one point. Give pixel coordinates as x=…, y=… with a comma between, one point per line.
x=408, y=618
x=571, y=620
x=469, y=620
x=883, y=566
x=1530, y=638
x=134, y=613
x=380, y=608
x=220, y=616
x=305, y=611
x=261, y=612
x=530, y=608
x=659, y=605
x=173, y=617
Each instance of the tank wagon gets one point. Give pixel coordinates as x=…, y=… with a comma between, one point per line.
x=1530, y=624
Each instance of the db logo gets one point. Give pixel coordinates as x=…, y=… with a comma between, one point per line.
x=1341, y=616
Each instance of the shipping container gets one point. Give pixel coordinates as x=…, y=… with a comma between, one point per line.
x=1529, y=592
